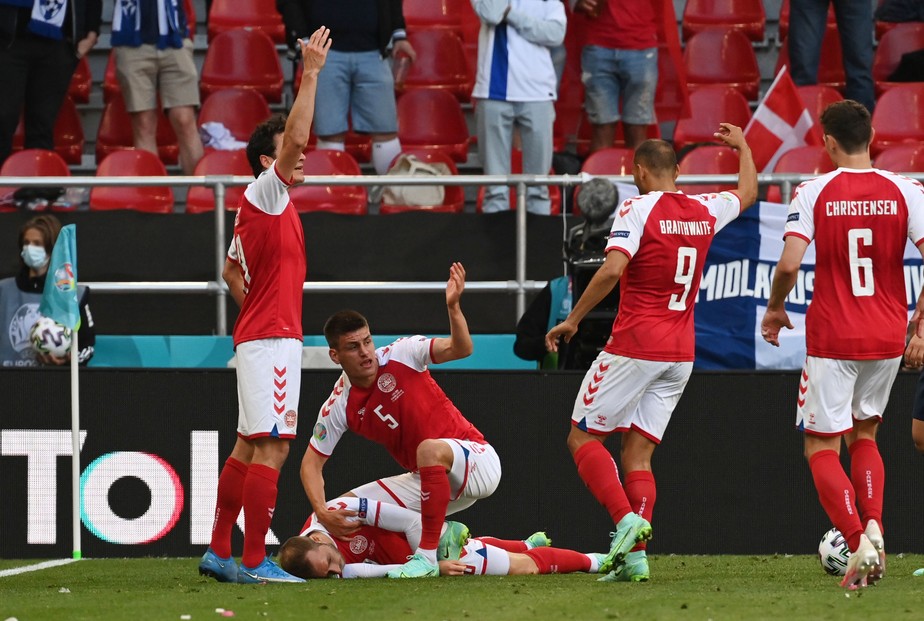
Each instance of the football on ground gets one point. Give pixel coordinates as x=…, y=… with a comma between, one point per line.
x=833, y=552
x=50, y=337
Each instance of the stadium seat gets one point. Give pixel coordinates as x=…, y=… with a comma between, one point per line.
x=225, y=15
x=242, y=58
x=432, y=120
x=808, y=160
x=81, y=82
x=784, y=20
x=200, y=198
x=748, y=16
x=516, y=168
x=471, y=26
x=132, y=163
x=709, y=160
x=717, y=56
x=903, y=38
x=898, y=117
x=238, y=109
x=709, y=106
x=831, y=65
x=30, y=163
x=342, y=199
x=430, y=14
x=454, y=196
x=440, y=63
x=903, y=158
x=817, y=97
x=613, y=161
x=115, y=133
x=68, y=134
x=111, y=85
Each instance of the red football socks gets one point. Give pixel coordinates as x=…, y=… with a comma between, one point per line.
x=641, y=492
x=434, y=498
x=835, y=491
x=598, y=471
x=868, y=476
x=227, y=505
x=259, y=504
x=510, y=545
x=558, y=561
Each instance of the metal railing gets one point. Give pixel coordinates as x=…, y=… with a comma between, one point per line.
x=518, y=286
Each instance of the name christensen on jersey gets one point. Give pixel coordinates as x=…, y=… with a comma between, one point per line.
x=861, y=208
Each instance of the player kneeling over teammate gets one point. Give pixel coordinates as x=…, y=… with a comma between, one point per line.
x=388, y=533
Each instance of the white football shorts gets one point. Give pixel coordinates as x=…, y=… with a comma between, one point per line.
x=832, y=393
x=620, y=393
x=482, y=559
x=475, y=474
x=269, y=380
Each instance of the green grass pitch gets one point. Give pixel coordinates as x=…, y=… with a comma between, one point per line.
x=682, y=587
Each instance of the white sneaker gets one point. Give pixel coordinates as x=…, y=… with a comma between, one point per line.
x=861, y=564
x=875, y=538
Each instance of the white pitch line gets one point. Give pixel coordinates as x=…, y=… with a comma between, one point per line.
x=44, y=565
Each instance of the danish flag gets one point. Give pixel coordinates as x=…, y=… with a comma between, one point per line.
x=780, y=123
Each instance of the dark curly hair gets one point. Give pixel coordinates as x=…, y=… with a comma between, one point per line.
x=261, y=141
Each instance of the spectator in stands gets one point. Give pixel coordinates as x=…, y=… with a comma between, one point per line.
x=619, y=65
x=154, y=61
x=357, y=81
x=807, y=24
x=21, y=295
x=516, y=87
x=39, y=50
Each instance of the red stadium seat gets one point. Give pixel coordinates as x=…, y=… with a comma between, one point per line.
x=817, y=97
x=225, y=15
x=81, y=82
x=238, y=109
x=132, y=163
x=808, y=160
x=68, y=134
x=898, y=117
x=831, y=64
x=200, y=198
x=30, y=163
x=440, y=63
x=190, y=17
x=748, y=16
x=903, y=158
x=904, y=38
x=115, y=133
x=716, y=56
x=429, y=14
x=471, y=26
x=342, y=199
x=454, y=197
x=709, y=160
x=613, y=161
x=432, y=120
x=111, y=85
x=784, y=19
x=245, y=59
x=516, y=168
x=710, y=106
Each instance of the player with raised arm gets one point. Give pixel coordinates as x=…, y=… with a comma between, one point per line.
x=265, y=271
x=859, y=218
x=656, y=252
x=388, y=396
x=388, y=533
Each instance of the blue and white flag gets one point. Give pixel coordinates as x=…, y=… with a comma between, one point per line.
x=735, y=288
x=59, y=299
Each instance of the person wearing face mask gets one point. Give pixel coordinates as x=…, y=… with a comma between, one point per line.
x=21, y=295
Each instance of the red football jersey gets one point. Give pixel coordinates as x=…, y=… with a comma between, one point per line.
x=859, y=221
x=624, y=25
x=666, y=236
x=404, y=406
x=269, y=249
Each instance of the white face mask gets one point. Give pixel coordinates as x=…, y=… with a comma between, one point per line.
x=34, y=256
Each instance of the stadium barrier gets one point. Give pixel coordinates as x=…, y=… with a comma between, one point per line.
x=730, y=471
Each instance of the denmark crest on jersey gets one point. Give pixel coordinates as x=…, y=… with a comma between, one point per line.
x=358, y=544
x=387, y=382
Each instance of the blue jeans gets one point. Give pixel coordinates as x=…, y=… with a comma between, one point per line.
x=611, y=75
x=358, y=83
x=807, y=23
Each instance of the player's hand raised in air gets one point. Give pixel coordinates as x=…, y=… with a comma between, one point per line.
x=732, y=135
x=455, y=285
x=314, y=50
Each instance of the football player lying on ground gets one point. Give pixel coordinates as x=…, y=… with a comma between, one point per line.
x=391, y=533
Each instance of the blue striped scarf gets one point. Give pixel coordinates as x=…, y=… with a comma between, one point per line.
x=128, y=29
x=47, y=16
